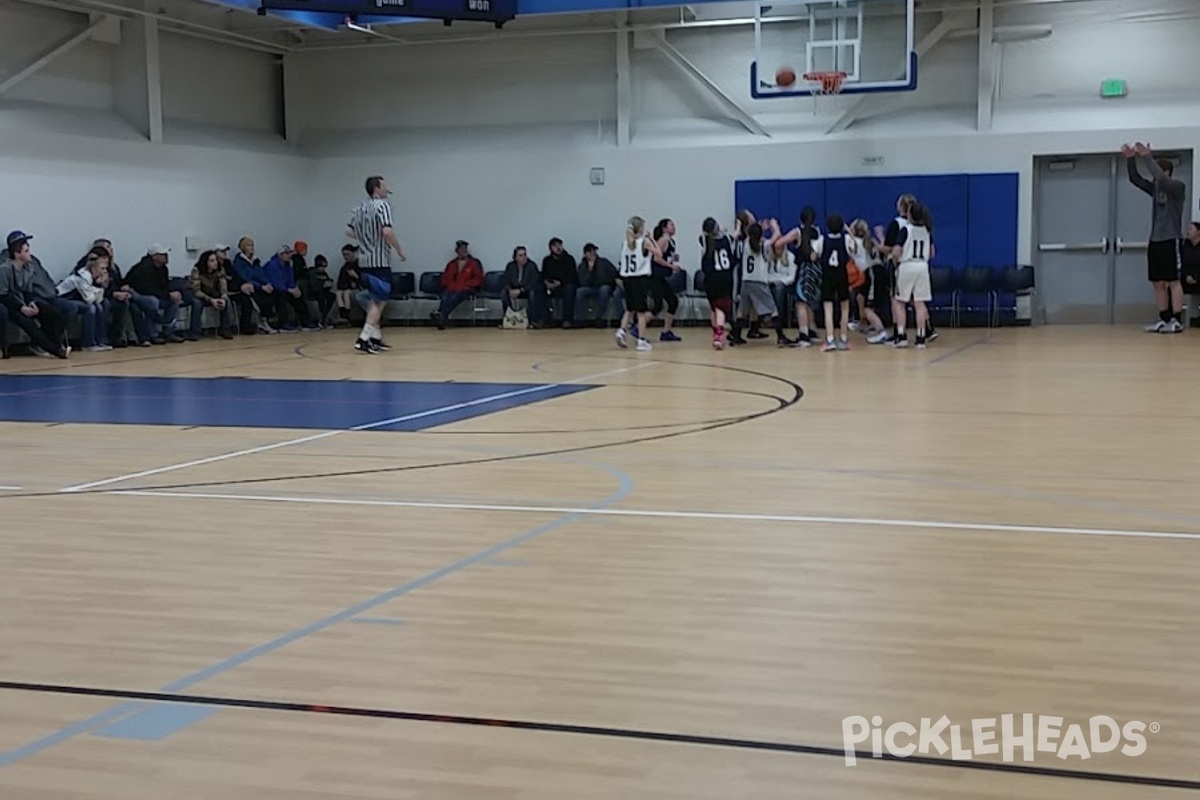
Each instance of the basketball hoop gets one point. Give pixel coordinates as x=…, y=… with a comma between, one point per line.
x=824, y=83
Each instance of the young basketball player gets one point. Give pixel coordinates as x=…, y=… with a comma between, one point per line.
x=876, y=293
x=717, y=264
x=912, y=252
x=835, y=253
x=781, y=275
x=741, y=224
x=755, y=257
x=663, y=269
x=637, y=253
x=806, y=239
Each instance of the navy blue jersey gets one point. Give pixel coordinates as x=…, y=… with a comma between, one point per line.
x=834, y=254
x=718, y=264
x=668, y=252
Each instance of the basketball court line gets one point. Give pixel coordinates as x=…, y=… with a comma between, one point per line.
x=364, y=427
x=10, y=488
x=624, y=489
x=991, y=527
x=864, y=756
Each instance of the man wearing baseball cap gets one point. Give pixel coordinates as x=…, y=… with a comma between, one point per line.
x=24, y=295
x=151, y=280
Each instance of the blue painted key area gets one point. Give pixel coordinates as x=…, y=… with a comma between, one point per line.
x=254, y=403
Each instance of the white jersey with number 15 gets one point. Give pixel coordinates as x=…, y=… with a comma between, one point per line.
x=635, y=261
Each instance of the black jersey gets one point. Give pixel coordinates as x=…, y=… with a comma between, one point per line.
x=834, y=253
x=718, y=264
x=669, y=256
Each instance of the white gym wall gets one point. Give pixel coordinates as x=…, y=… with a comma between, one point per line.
x=491, y=139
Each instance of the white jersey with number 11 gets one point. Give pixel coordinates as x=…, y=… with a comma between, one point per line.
x=917, y=245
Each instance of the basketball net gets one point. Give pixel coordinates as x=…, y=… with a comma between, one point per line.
x=824, y=83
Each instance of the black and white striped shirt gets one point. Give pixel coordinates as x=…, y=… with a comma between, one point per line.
x=368, y=222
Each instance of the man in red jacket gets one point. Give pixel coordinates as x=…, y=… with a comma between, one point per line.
x=462, y=278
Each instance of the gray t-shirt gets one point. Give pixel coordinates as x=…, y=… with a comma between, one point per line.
x=1170, y=196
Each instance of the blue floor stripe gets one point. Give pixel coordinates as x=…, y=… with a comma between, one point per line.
x=624, y=489
x=379, y=620
x=260, y=403
x=157, y=722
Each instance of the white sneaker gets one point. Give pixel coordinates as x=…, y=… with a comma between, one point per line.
x=622, y=339
x=97, y=348
x=643, y=346
x=1158, y=327
x=882, y=337
x=1174, y=326
x=37, y=351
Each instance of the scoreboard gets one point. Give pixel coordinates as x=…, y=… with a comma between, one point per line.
x=495, y=11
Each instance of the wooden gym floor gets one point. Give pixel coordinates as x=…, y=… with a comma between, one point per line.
x=247, y=599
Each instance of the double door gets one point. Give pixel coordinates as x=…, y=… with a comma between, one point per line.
x=1091, y=230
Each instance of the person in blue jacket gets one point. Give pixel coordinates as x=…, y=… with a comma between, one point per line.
x=282, y=278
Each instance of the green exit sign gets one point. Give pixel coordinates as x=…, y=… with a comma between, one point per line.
x=1113, y=88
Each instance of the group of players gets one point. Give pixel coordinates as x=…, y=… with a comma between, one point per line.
x=754, y=267
x=754, y=271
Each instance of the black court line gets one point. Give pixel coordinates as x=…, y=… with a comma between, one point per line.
x=598, y=731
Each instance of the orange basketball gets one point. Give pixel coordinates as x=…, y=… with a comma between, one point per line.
x=785, y=77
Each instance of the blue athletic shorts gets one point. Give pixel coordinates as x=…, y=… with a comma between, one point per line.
x=377, y=283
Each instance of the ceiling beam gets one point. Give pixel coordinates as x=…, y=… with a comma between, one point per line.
x=723, y=98
x=987, y=66
x=56, y=51
x=174, y=25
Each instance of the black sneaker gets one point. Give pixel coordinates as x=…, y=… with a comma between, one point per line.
x=380, y=344
x=931, y=335
x=920, y=342
x=364, y=347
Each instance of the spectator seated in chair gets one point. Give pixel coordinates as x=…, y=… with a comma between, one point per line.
x=282, y=277
x=222, y=251
x=150, y=280
x=347, y=284
x=522, y=281
x=28, y=295
x=318, y=287
x=461, y=279
x=84, y=289
x=254, y=290
x=211, y=289
x=597, y=285
x=310, y=287
x=117, y=298
x=559, y=277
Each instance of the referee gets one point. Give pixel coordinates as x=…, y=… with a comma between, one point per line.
x=371, y=225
